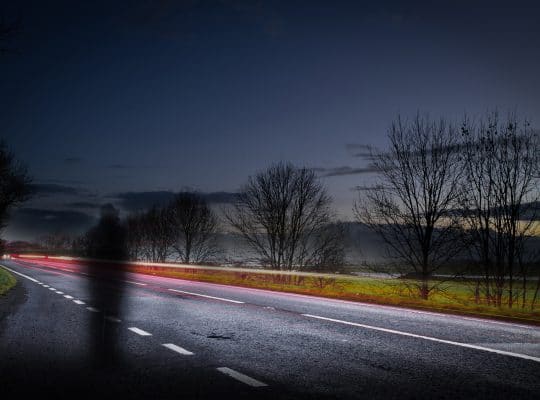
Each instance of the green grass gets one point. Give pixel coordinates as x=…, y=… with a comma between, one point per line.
x=453, y=297
x=7, y=281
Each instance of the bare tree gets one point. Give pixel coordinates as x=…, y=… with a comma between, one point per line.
x=135, y=236
x=150, y=235
x=500, y=197
x=15, y=183
x=56, y=243
x=282, y=213
x=194, y=224
x=411, y=209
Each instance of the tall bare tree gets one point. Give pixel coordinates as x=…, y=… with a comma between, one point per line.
x=151, y=235
x=411, y=209
x=15, y=183
x=194, y=224
x=501, y=161
x=283, y=214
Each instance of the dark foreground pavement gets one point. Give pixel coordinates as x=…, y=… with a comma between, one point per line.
x=70, y=332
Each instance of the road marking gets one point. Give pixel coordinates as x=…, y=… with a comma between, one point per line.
x=46, y=286
x=139, y=331
x=92, y=309
x=136, y=283
x=241, y=377
x=23, y=275
x=59, y=292
x=432, y=339
x=67, y=296
x=208, y=297
x=178, y=349
x=79, y=302
x=113, y=319
x=51, y=288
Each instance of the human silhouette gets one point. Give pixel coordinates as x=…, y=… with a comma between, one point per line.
x=106, y=244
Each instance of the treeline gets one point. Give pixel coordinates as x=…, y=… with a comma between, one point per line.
x=283, y=214
x=445, y=190
x=184, y=230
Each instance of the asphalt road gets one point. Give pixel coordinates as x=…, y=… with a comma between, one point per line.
x=72, y=332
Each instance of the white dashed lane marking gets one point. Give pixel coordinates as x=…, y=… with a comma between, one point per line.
x=92, y=309
x=241, y=377
x=113, y=319
x=67, y=296
x=139, y=331
x=79, y=302
x=177, y=349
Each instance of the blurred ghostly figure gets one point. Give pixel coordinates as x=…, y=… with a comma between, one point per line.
x=106, y=241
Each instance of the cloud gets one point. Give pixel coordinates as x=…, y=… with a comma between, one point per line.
x=46, y=189
x=220, y=197
x=530, y=211
x=136, y=201
x=82, y=204
x=345, y=170
x=361, y=188
x=32, y=223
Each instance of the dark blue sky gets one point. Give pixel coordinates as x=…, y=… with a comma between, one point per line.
x=105, y=97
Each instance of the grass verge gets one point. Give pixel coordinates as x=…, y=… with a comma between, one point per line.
x=7, y=281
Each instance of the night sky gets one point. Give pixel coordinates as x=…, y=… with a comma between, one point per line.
x=110, y=101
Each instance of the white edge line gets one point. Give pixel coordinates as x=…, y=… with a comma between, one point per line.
x=206, y=296
x=177, y=349
x=23, y=275
x=139, y=331
x=432, y=339
x=359, y=303
x=354, y=303
x=241, y=377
